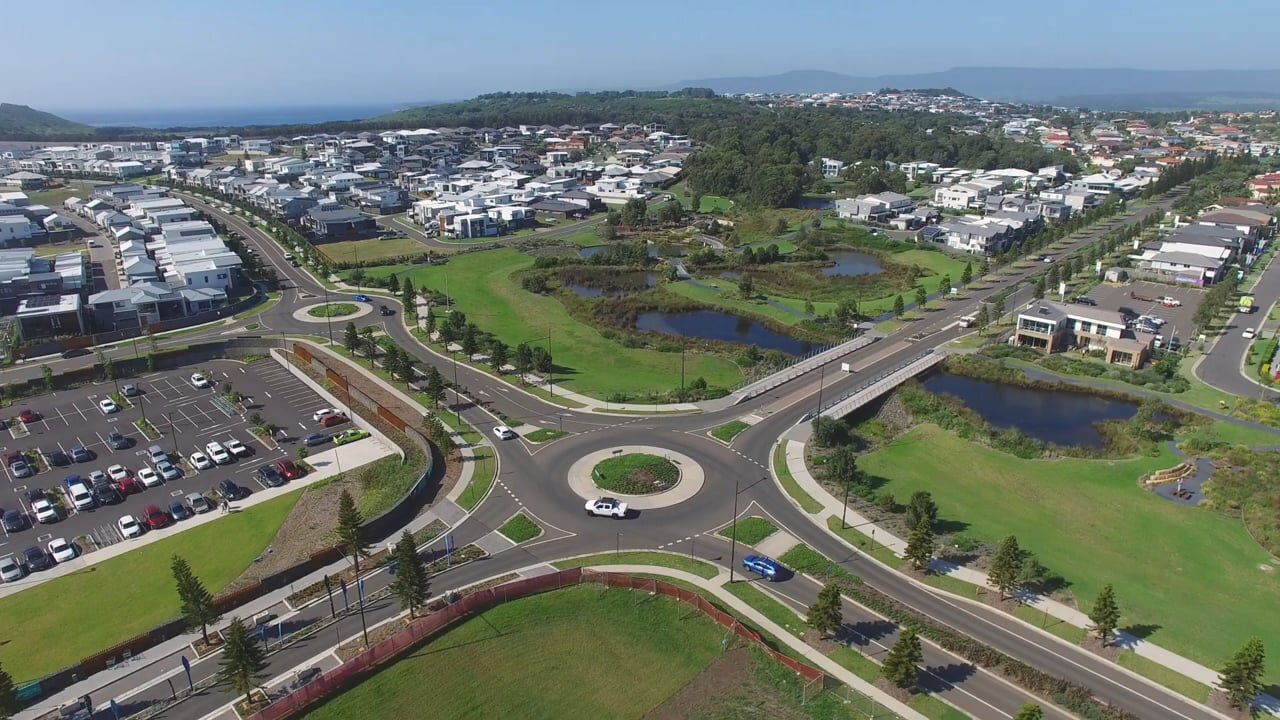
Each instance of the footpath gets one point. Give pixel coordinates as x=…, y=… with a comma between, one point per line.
x=795, y=458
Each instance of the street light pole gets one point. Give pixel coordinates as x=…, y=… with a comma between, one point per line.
x=551, y=367
x=682, y=347
x=844, y=509
x=457, y=411
x=733, y=537
x=328, y=320
x=822, y=371
x=173, y=436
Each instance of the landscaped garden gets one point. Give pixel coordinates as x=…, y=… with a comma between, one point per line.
x=635, y=474
x=333, y=310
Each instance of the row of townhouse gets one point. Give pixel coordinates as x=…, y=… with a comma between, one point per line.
x=1204, y=251
x=24, y=223
x=986, y=235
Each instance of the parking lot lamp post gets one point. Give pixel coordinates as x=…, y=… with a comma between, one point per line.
x=135, y=347
x=733, y=536
x=173, y=436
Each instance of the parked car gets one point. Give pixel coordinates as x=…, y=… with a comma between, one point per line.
x=323, y=413
x=117, y=441
x=503, y=432
x=607, y=507
x=36, y=559
x=1086, y=300
x=148, y=477
x=179, y=510
x=107, y=495
x=199, y=460
x=10, y=569
x=766, y=567
x=218, y=453
x=56, y=458
x=129, y=527
x=168, y=471
x=237, y=448
x=128, y=486
x=156, y=454
x=129, y=390
x=230, y=491
x=1169, y=301
x=199, y=503
x=270, y=476
x=288, y=469
x=61, y=550
x=80, y=454
x=315, y=439
x=155, y=517
x=108, y=406
x=1250, y=333
x=45, y=511
x=350, y=436
x=13, y=521
x=200, y=380
x=117, y=472
x=331, y=420
x=28, y=416
x=21, y=469
x=74, y=353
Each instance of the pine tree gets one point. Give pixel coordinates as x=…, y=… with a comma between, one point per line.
x=407, y=297
x=524, y=359
x=921, y=506
x=244, y=661
x=922, y=295
x=8, y=695
x=350, y=337
x=197, y=602
x=966, y=275
x=1241, y=679
x=825, y=614
x=920, y=545
x=391, y=360
x=410, y=585
x=1030, y=711
x=898, y=306
x=435, y=385
x=1105, y=613
x=349, y=532
x=900, y=664
x=430, y=324
x=1005, y=567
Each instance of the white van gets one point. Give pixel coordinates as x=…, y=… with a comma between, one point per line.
x=80, y=496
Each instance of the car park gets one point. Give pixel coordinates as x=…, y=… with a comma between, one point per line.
x=117, y=441
x=28, y=416
x=218, y=453
x=156, y=454
x=199, y=503
x=228, y=490
x=129, y=390
x=56, y=458
x=61, y=550
x=350, y=436
x=46, y=512
x=503, y=432
x=129, y=527
x=237, y=448
x=21, y=469
x=331, y=420
x=13, y=521
x=36, y=559
x=148, y=477
x=108, y=406
x=179, y=510
x=156, y=517
x=80, y=454
x=323, y=413
x=607, y=507
x=1250, y=333
x=10, y=569
x=199, y=460
x=200, y=380
x=316, y=439
x=270, y=476
x=289, y=469
x=765, y=567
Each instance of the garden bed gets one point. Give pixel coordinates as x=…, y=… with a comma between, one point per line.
x=636, y=474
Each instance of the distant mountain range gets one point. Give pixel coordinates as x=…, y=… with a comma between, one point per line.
x=22, y=121
x=1118, y=88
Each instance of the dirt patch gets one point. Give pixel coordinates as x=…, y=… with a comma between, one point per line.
x=307, y=529
x=1218, y=701
x=729, y=688
x=1093, y=644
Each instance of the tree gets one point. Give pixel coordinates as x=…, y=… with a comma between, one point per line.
x=984, y=318
x=1241, y=678
x=498, y=354
x=410, y=585
x=435, y=386
x=635, y=213
x=244, y=662
x=406, y=370
x=944, y=285
x=393, y=284
x=1051, y=278
x=1005, y=567
x=921, y=507
x=747, y=287
x=430, y=321
x=922, y=295
x=1030, y=711
x=966, y=275
x=408, y=296
x=47, y=374
x=542, y=361
x=808, y=307
x=997, y=307
x=524, y=359
x=349, y=531
x=825, y=614
x=8, y=695
x=350, y=337
x=391, y=360
x=899, y=307
x=900, y=664
x=842, y=469
x=1105, y=613
x=920, y=544
x=695, y=202
x=196, y=601
x=369, y=344
x=1039, y=288
x=780, y=226
x=829, y=432
x=470, y=340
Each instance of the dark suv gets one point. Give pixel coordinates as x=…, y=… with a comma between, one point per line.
x=270, y=476
x=230, y=491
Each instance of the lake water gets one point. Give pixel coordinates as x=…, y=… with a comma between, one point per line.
x=851, y=263
x=633, y=284
x=1061, y=418
x=716, y=325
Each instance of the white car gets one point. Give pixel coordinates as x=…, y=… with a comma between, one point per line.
x=10, y=570
x=61, y=550
x=117, y=472
x=199, y=460
x=236, y=448
x=1250, y=333
x=148, y=477
x=1169, y=301
x=218, y=453
x=129, y=526
x=323, y=413
x=44, y=510
x=108, y=406
x=503, y=432
x=607, y=507
x=200, y=381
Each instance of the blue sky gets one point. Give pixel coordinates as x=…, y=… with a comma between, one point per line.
x=239, y=53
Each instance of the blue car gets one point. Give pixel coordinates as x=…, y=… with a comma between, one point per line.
x=315, y=439
x=765, y=567
x=362, y=298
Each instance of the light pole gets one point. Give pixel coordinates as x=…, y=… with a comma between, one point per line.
x=733, y=537
x=551, y=367
x=327, y=319
x=617, y=547
x=822, y=371
x=173, y=436
x=844, y=509
x=682, y=347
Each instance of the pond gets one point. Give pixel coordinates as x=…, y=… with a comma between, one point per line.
x=619, y=286
x=851, y=263
x=1061, y=418
x=808, y=202
x=716, y=325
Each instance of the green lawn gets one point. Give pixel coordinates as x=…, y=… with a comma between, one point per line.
x=938, y=263
x=726, y=296
x=635, y=474
x=481, y=479
x=333, y=310
x=527, y=658
x=55, y=198
x=788, y=482
x=728, y=431
x=520, y=529
x=542, y=435
x=585, y=360
x=751, y=530
x=43, y=629
x=760, y=601
x=1089, y=521
x=365, y=251
x=1174, y=681
x=641, y=557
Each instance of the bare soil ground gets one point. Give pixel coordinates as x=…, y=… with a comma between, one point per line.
x=730, y=689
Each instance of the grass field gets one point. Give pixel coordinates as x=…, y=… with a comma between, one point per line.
x=725, y=295
x=41, y=632
x=364, y=251
x=751, y=530
x=1088, y=521
x=575, y=653
x=585, y=360
x=635, y=474
x=520, y=529
x=728, y=431
x=56, y=197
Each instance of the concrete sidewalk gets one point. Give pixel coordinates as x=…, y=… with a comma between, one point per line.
x=795, y=454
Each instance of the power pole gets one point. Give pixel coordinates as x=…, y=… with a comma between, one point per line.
x=733, y=538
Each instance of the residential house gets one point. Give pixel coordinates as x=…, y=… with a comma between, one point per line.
x=1051, y=327
x=15, y=230
x=832, y=168
x=135, y=307
x=49, y=316
x=976, y=236
x=963, y=196
x=25, y=180
x=875, y=208
x=339, y=224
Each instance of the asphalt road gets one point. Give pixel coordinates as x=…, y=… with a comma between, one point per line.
x=532, y=478
x=1221, y=367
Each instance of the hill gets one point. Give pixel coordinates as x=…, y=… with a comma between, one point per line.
x=1121, y=87
x=19, y=122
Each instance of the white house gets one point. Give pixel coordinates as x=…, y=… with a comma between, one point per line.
x=960, y=197
x=832, y=168
x=14, y=230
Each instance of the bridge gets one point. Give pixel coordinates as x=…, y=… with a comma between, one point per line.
x=873, y=389
x=807, y=364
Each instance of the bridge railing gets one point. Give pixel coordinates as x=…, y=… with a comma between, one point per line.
x=805, y=365
x=881, y=384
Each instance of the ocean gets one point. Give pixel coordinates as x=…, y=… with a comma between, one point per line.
x=225, y=116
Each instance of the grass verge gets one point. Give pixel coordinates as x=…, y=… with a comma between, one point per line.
x=635, y=474
x=777, y=613
x=728, y=431
x=520, y=529
x=1176, y=682
x=788, y=482
x=641, y=557
x=481, y=479
x=542, y=435
x=751, y=530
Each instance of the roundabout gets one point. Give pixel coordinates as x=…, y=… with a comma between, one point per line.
x=622, y=471
x=316, y=313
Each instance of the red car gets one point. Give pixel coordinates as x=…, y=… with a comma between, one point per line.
x=331, y=420
x=28, y=415
x=128, y=486
x=155, y=517
x=288, y=469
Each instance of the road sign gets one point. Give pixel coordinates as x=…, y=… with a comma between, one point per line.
x=186, y=667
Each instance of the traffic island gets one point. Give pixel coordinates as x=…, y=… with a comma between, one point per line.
x=646, y=477
x=329, y=312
